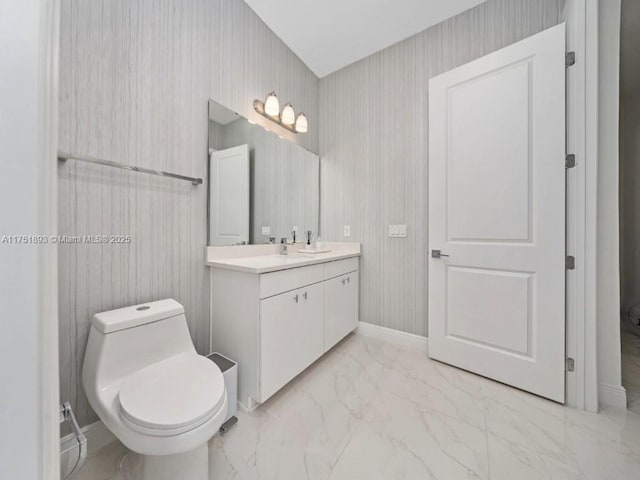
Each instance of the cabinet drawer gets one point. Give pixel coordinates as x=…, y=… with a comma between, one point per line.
x=340, y=267
x=284, y=280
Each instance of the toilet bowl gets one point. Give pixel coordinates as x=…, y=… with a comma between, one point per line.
x=145, y=380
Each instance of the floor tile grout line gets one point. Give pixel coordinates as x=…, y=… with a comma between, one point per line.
x=486, y=435
x=344, y=448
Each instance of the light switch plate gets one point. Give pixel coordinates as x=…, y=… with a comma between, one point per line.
x=266, y=230
x=398, y=231
x=347, y=231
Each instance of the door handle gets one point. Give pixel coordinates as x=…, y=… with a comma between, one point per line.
x=304, y=295
x=343, y=281
x=295, y=297
x=437, y=254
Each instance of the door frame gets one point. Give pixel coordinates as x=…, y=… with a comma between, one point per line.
x=33, y=431
x=581, y=17
x=48, y=322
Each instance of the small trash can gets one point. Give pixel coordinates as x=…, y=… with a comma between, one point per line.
x=229, y=370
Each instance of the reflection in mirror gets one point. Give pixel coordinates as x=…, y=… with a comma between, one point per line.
x=261, y=186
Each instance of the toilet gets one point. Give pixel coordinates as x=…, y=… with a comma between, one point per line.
x=145, y=380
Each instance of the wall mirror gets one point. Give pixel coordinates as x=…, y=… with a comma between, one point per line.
x=261, y=186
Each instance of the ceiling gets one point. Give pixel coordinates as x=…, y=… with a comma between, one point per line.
x=328, y=35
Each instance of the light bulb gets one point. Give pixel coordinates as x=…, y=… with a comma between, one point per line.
x=301, y=123
x=288, y=116
x=271, y=105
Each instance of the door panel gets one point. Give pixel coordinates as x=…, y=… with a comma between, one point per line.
x=497, y=213
x=498, y=133
x=474, y=315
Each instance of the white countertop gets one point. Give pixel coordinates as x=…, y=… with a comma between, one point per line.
x=267, y=261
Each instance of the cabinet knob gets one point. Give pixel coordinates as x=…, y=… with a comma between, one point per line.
x=304, y=295
x=295, y=297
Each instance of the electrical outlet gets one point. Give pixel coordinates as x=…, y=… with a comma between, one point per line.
x=266, y=230
x=398, y=231
x=347, y=231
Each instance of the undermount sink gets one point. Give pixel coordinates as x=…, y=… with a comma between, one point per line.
x=294, y=255
x=272, y=260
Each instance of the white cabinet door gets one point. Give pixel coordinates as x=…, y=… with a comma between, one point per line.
x=311, y=324
x=341, y=308
x=291, y=336
x=497, y=215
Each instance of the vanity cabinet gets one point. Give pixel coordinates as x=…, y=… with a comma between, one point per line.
x=276, y=324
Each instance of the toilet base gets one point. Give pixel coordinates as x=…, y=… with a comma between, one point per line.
x=191, y=465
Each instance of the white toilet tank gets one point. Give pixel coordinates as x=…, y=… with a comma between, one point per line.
x=125, y=340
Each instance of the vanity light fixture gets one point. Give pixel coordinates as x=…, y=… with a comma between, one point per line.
x=271, y=105
x=270, y=109
x=301, y=123
x=288, y=116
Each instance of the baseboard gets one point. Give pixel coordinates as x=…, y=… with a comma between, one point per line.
x=612, y=395
x=395, y=336
x=98, y=436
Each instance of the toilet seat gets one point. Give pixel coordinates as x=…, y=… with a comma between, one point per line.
x=172, y=396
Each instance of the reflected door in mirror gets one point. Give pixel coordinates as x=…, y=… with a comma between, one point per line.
x=229, y=183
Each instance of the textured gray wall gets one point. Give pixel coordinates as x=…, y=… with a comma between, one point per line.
x=373, y=149
x=135, y=78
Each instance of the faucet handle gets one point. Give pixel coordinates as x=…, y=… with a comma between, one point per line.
x=284, y=240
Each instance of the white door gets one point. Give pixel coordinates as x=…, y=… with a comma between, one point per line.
x=497, y=215
x=229, y=196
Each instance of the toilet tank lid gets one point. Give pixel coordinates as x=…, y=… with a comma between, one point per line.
x=136, y=315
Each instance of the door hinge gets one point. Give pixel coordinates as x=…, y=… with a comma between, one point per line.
x=570, y=262
x=570, y=59
x=570, y=161
x=570, y=364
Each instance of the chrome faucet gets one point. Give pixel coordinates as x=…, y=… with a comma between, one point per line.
x=284, y=248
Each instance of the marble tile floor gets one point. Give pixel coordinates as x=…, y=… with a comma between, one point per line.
x=373, y=410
